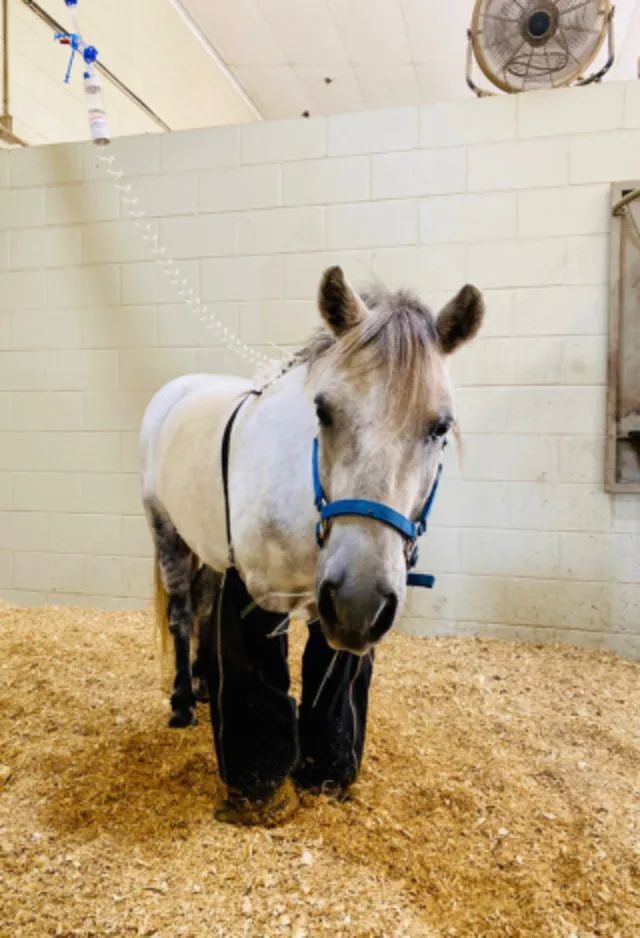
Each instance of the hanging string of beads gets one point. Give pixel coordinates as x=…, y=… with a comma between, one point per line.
x=266, y=367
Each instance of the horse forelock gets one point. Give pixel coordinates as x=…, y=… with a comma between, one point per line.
x=398, y=341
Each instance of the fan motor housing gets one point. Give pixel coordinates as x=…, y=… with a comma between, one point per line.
x=541, y=24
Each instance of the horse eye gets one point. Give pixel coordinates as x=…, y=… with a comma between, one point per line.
x=323, y=413
x=440, y=428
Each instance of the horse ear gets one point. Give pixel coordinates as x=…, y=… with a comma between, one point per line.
x=459, y=321
x=339, y=304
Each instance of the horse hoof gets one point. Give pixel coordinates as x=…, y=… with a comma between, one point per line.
x=278, y=808
x=313, y=779
x=182, y=718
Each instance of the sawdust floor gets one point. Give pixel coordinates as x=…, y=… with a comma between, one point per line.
x=499, y=797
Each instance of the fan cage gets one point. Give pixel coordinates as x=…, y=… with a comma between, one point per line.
x=526, y=9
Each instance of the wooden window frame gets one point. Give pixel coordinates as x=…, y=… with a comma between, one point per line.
x=620, y=191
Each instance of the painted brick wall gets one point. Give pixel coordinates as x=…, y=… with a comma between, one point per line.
x=511, y=194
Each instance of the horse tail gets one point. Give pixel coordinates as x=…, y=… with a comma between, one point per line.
x=161, y=607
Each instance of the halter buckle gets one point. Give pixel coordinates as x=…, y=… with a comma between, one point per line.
x=412, y=553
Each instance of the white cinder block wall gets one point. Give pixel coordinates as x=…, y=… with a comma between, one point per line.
x=509, y=193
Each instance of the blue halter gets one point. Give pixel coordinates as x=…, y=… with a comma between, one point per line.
x=410, y=530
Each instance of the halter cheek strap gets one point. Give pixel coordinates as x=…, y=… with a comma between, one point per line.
x=410, y=530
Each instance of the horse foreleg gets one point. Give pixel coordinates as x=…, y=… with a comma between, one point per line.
x=332, y=717
x=252, y=715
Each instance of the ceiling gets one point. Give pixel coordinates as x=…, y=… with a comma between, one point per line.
x=199, y=63
x=332, y=56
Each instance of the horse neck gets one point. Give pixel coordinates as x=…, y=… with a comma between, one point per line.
x=274, y=446
x=273, y=513
x=283, y=417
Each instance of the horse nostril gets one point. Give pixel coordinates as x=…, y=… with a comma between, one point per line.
x=326, y=603
x=385, y=618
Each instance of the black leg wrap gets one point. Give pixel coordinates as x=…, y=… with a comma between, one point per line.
x=252, y=714
x=333, y=714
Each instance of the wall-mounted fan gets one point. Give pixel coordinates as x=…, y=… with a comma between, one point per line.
x=525, y=45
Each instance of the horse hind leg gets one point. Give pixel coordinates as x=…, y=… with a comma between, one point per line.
x=204, y=594
x=183, y=698
x=177, y=564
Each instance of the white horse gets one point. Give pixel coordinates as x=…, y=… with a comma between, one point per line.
x=373, y=389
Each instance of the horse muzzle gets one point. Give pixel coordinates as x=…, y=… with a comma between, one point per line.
x=355, y=617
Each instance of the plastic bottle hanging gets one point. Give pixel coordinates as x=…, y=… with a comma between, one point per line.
x=98, y=123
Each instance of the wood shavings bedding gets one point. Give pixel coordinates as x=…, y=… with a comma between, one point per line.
x=499, y=798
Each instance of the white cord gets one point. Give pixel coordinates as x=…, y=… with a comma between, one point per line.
x=267, y=368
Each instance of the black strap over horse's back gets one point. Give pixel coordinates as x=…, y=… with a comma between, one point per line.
x=226, y=446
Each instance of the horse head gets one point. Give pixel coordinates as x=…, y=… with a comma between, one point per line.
x=384, y=406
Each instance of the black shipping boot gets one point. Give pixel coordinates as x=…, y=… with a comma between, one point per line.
x=333, y=715
x=252, y=714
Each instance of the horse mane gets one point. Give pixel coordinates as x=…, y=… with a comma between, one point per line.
x=398, y=337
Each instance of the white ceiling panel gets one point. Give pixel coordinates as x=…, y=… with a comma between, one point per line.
x=438, y=32
x=373, y=31
x=389, y=86
x=238, y=30
x=276, y=90
x=340, y=97
x=627, y=25
x=306, y=31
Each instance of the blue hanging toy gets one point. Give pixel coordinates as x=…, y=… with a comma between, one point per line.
x=92, y=85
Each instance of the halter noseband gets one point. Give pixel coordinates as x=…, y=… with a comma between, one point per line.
x=410, y=530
